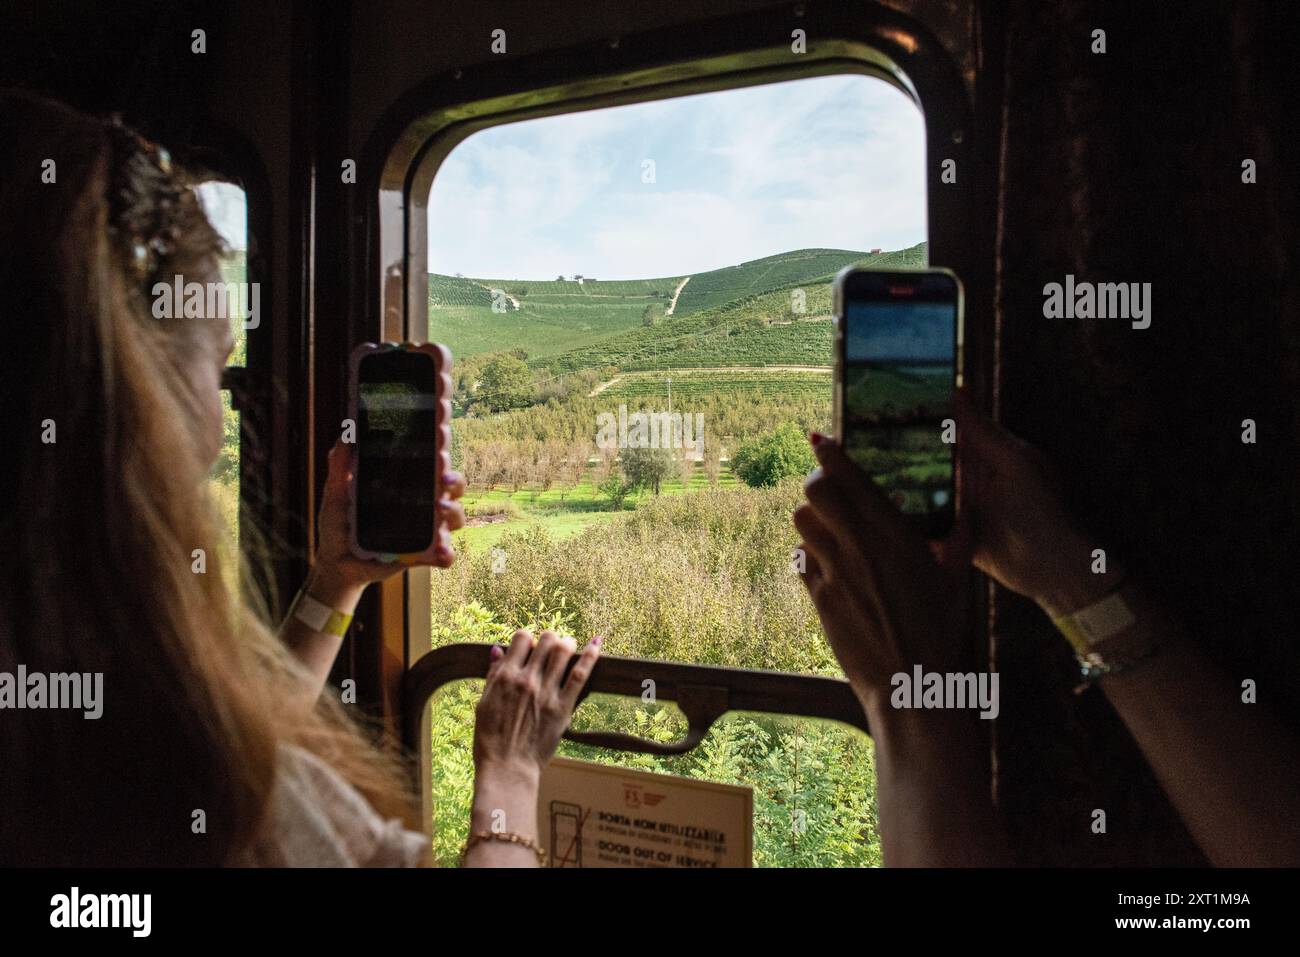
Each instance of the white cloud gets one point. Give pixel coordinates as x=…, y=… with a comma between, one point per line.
x=835, y=161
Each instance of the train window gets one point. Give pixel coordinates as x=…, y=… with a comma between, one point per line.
x=638, y=302
x=226, y=206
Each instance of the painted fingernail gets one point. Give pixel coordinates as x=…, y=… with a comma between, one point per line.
x=597, y=641
x=815, y=438
x=496, y=652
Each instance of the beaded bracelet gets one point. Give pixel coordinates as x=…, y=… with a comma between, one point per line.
x=509, y=837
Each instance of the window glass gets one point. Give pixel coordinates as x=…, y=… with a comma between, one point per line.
x=638, y=301
x=226, y=207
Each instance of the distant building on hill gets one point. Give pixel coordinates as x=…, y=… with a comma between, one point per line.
x=875, y=252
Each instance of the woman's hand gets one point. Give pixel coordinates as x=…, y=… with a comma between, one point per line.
x=1022, y=534
x=527, y=703
x=890, y=601
x=525, y=707
x=886, y=599
x=337, y=572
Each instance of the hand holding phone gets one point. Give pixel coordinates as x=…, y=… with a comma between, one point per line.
x=897, y=365
x=399, y=402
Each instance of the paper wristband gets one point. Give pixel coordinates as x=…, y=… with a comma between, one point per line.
x=1089, y=627
x=320, y=617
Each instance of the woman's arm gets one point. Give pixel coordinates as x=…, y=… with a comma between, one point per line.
x=1231, y=771
x=888, y=603
x=338, y=578
x=526, y=705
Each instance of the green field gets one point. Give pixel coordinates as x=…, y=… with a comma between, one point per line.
x=563, y=513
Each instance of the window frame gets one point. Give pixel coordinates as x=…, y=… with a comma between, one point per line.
x=222, y=154
x=730, y=52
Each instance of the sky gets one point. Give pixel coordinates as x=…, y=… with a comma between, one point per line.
x=227, y=211
x=835, y=162
x=900, y=331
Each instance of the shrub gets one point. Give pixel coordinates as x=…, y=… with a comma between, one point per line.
x=783, y=454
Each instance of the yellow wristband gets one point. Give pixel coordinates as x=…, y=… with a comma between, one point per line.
x=318, y=616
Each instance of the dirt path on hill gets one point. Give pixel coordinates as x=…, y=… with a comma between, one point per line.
x=676, y=292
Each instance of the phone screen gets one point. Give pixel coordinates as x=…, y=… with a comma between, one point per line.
x=397, y=453
x=899, y=369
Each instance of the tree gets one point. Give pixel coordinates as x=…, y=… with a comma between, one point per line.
x=713, y=462
x=648, y=316
x=615, y=489
x=686, y=467
x=646, y=467
x=506, y=384
x=781, y=454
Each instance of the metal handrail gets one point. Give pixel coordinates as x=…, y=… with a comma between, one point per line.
x=703, y=693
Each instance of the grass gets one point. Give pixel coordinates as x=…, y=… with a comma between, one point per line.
x=565, y=512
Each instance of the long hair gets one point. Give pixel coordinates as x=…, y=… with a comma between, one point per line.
x=104, y=501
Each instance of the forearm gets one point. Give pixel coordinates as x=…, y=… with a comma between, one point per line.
x=934, y=789
x=315, y=650
x=503, y=803
x=1231, y=772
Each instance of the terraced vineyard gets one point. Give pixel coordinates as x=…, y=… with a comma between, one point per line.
x=711, y=289
x=688, y=384
x=756, y=313
x=570, y=290
x=756, y=331
x=454, y=291
x=542, y=318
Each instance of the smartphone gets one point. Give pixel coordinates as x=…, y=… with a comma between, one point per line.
x=399, y=454
x=898, y=337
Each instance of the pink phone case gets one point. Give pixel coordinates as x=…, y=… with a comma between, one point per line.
x=441, y=357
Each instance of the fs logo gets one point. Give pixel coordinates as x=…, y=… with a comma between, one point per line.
x=633, y=796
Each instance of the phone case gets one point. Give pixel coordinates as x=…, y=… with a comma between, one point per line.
x=441, y=357
x=959, y=344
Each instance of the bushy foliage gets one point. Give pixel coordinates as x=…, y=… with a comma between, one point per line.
x=647, y=467
x=704, y=577
x=506, y=384
x=782, y=454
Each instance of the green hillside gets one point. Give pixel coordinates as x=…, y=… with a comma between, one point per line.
x=651, y=389
x=540, y=317
x=787, y=270
x=772, y=311
x=754, y=331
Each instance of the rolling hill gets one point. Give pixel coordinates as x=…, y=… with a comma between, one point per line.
x=769, y=314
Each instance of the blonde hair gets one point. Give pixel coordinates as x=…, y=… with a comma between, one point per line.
x=98, y=531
